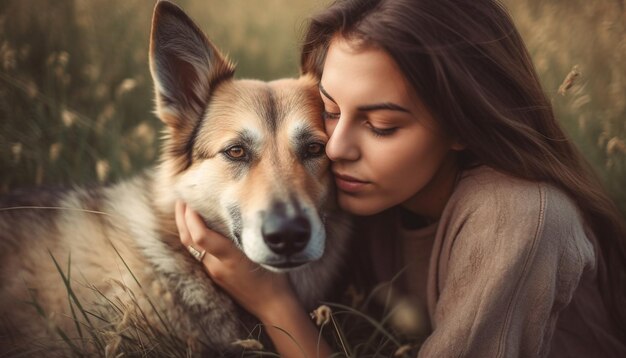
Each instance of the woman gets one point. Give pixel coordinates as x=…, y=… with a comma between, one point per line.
x=441, y=136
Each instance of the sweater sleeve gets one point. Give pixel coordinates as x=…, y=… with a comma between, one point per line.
x=508, y=262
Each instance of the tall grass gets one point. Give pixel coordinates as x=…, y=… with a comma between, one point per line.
x=76, y=94
x=121, y=324
x=76, y=102
x=591, y=37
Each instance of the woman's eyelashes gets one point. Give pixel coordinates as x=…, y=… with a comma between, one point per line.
x=377, y=131
x=326, y=115
x=382, y=132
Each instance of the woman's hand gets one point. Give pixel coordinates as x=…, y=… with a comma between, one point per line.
x=256, y=289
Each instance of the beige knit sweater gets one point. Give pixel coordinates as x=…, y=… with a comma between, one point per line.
x=508, y=271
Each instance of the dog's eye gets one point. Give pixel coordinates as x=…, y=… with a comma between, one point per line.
x=236, y=152
x=314, y=150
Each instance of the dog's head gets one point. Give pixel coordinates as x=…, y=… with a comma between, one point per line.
x=247, y=155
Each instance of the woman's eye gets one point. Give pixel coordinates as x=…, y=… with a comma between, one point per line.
x=382, y=132
x=236, y=152
x=330, y=115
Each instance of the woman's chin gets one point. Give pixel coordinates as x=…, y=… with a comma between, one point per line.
x=360, y=206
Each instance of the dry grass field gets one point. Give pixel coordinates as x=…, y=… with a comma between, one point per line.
x=589, y=38
x=76, y=95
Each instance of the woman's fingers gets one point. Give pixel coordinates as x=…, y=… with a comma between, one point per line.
x=183, y=232
x=193, y=231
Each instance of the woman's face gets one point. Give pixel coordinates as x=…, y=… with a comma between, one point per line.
x=384, y=145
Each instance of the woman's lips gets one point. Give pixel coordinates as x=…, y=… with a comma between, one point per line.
x=349, y=184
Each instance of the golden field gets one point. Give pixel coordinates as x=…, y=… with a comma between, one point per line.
x=76, y=95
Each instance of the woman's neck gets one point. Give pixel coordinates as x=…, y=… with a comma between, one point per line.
x=432, y=199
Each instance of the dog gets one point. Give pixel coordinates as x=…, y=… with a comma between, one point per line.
x=102, y=269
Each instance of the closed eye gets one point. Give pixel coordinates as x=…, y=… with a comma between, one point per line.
x=382, y=132
x=330, y=115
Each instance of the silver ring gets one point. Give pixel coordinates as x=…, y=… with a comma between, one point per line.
x=195, y=253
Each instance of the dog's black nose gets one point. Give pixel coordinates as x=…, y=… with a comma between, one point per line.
x=284, y=235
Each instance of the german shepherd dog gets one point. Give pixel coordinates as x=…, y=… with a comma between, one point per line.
x=96, y=269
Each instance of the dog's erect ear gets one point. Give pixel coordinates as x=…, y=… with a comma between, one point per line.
x=185, y=66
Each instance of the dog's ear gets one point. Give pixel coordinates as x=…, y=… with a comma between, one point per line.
x=185, y=67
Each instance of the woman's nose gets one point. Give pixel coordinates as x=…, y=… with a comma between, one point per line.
x=342, y=144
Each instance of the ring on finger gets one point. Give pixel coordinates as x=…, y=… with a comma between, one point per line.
x=198, y=255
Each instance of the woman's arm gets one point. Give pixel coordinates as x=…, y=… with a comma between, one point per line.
x=292, y=331
x=267, y=295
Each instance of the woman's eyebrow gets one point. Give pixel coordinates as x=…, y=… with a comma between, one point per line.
x=388, y=106
x=326, y=93
x=383, y=106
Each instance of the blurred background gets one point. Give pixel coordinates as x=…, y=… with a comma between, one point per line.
x=76, y=95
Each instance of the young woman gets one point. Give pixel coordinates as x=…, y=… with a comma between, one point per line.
x=441, y=136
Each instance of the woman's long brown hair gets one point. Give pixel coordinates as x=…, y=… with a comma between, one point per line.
x=469, y=65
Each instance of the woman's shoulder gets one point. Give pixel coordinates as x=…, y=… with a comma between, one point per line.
x=508, y=217
x=484, y=182
x=488, y=188
x=488, y=196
